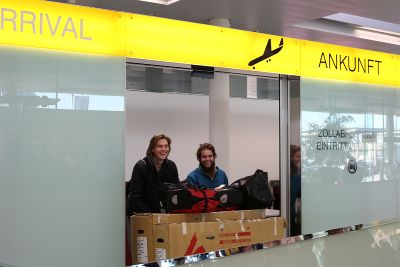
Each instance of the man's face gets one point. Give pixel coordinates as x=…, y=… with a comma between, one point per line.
x=207, y=159
x=161, y=151
x=296, y=158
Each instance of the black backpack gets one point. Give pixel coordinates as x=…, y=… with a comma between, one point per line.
x=255, y=190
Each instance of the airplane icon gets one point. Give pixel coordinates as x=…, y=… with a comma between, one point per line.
x=267, y=53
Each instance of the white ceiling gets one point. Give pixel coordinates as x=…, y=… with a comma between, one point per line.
x=268, y=16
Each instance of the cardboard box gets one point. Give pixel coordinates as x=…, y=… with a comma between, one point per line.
x=142, y=242
x=234, y=215
x=182, y=239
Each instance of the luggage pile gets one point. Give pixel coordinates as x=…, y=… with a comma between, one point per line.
x=199, y=220
x=250, y=192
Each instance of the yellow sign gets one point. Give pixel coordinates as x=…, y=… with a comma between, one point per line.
x=345, y=63
x=74, y=28
x=61, y=27
x=398, y=70
x=191, y=43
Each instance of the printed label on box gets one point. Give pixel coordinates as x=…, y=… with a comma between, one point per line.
x=142, y=250
x=161, y=254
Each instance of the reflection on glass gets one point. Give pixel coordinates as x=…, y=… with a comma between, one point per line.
x=367, y=245
x=12, y=98
x=318, y=249
x=388, y=235
x=61, y=158
x=63, y=101
x=349, y=154
x=331, y=135
x=363, y=144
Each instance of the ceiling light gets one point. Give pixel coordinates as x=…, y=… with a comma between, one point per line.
x=397, y=34
x=162, y=2
x=355, y=26
x=364, y=22
x=376, y=36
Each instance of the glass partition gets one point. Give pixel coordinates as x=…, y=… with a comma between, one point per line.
x=350, y=154
x=375, y=245
x=62, y=159
x=62, y=136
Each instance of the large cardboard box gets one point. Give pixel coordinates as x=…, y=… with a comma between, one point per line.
x=181, y=239
x=142, y=242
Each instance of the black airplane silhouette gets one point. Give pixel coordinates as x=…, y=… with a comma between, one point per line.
x=267, y=53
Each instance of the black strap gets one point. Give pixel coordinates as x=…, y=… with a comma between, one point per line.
x=206, y=198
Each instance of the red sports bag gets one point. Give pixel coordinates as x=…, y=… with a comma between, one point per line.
x=185, y=198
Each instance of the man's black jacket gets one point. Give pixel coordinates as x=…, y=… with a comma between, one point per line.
x=145, y=188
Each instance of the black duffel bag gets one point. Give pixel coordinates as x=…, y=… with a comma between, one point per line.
x=255, y=190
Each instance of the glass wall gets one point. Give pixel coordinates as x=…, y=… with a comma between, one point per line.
x=370, y=247
x=62, y=159
x=350, y=153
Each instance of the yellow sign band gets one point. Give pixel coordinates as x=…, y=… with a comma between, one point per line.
x=67, y=27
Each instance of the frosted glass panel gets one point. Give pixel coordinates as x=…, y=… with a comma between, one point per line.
x=62, y=159
x=350, y=154
x=371, y=247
